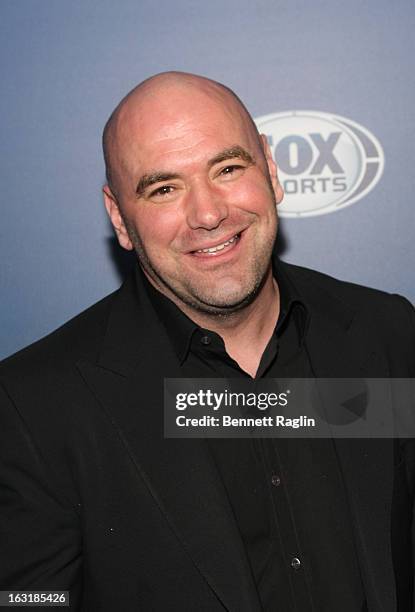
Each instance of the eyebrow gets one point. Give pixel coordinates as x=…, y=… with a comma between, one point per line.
x=155, y=177
x=159, y=176
x=230, y=153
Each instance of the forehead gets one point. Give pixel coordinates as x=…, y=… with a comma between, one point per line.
x=180, y=128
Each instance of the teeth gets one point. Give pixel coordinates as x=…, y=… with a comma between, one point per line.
x=219, y=247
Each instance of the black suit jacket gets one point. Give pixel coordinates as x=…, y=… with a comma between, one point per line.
x=94, y=500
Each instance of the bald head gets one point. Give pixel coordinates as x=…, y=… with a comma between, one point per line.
x=169, y=94
x=188, y=173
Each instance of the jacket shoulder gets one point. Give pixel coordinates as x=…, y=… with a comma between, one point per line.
x=391, y=317
x=79, y=337
x=351, y=294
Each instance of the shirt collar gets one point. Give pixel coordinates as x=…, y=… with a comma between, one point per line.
x=180, y=329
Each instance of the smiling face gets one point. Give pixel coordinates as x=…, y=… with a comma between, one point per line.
x=196, y=192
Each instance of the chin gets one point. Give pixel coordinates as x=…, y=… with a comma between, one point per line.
x=221, y=303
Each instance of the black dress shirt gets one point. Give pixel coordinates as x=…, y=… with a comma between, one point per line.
x=287, y=495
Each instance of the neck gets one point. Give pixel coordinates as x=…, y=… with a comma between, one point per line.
x=245, y=333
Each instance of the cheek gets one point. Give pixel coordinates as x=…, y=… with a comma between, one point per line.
x=254, y=197
x=157, y=227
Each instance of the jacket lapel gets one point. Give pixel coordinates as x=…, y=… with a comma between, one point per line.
x=127, y=381
x=340, y=346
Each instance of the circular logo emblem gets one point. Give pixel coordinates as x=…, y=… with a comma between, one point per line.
x=325, y=162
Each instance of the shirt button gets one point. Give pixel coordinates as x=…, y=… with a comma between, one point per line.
x=276, y=480
x=295, y=563
x=205, y=340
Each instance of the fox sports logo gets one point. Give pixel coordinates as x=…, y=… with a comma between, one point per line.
x=325, y=161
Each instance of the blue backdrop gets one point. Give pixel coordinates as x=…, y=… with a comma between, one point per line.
x=66, y=64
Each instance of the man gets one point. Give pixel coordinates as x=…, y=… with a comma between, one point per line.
x=97, y=502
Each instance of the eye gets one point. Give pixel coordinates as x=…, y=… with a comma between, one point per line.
x=231, y=169
x=230, y=172
x=164, y=190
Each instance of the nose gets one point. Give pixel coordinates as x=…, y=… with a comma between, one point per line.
x=205, y=208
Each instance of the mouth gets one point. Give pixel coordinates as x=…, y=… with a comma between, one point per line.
x=218, y=249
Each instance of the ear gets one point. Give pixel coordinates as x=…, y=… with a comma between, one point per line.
x=272, y=169
x=117, y=221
